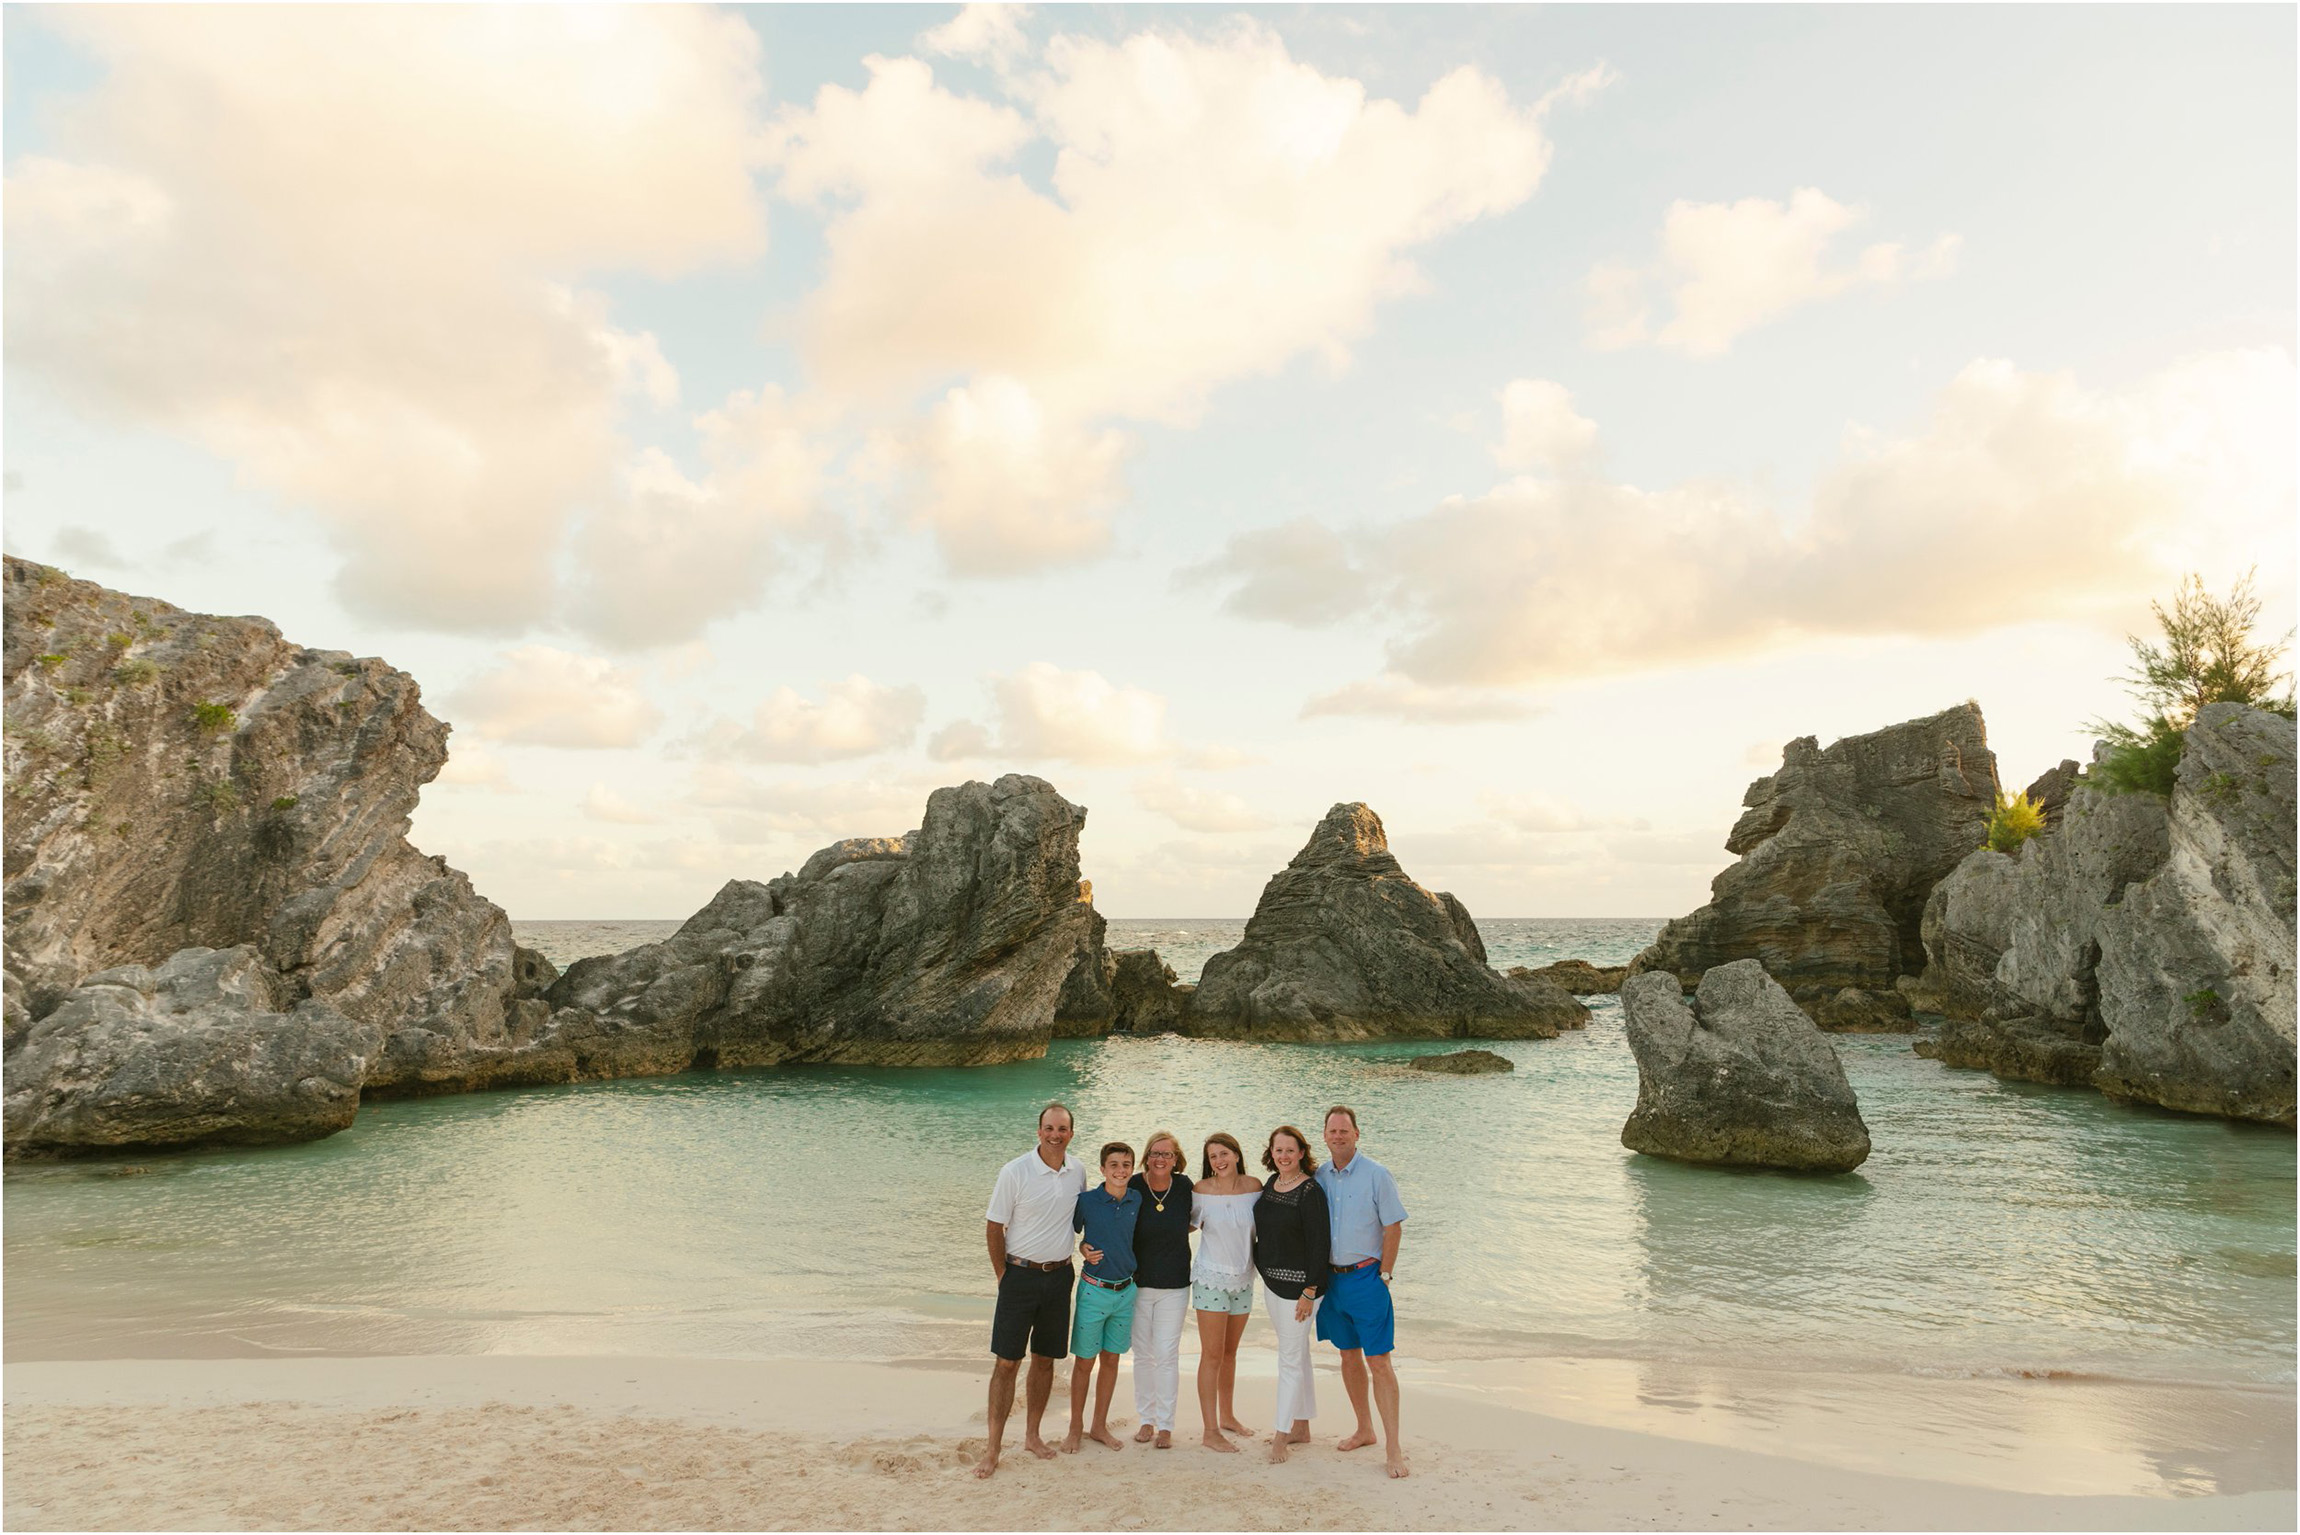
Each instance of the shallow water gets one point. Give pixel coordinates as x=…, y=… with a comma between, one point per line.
x=1998, y=1228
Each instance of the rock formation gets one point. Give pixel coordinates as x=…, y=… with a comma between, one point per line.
x=1085, y=1008
x=1742, y=1076
x=1145, y=996
x=2052, y=788
x=1839, y=850
x=2196, y=962
x=1344, y=946
x=946, y=947
x=2140, y=946
x=1464, y=1063
x=200, y=1049
x=1578, y=976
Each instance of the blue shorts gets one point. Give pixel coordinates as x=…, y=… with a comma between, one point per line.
x=1355, y=1312
x=1102, y=1322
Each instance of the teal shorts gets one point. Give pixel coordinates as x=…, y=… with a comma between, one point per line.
x=1101, y=1321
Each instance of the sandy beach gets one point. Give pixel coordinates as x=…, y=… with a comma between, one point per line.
x=605, y=1443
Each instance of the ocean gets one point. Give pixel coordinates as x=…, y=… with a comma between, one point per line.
x=1999, y=1229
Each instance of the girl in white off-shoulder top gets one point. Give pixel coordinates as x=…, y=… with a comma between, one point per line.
x=1222, y=1281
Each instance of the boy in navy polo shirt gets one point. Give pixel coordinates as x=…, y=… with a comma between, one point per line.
x=1102, y=1325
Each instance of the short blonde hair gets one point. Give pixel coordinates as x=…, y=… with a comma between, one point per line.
x=1181, y=1157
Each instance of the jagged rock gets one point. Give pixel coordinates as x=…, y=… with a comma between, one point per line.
x=1854, y=1011
x=531, y=973
x=1464, y=1063
x=1554, y=1002
x=1577, y=976
x=2013, y=940
x=2052, y=788
x=2022, y=1048
x=199, y=1049
x=1344, y=946
x=178, y=781
x=2195, y=973
x=1838, y=851
x=1146, y=998
x=949, y=946
x=1742, y=1076
x=1085, y=1008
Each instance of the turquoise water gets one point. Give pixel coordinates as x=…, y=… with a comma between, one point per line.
x=1997, y=1229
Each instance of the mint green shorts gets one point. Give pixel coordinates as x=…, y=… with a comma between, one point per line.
x=1101, y=1321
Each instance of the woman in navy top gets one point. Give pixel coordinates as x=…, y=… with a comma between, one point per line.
x=1162, y=1277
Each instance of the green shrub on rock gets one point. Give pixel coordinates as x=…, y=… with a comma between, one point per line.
x=2015, y=819
x=213, y=719
x=2208, y=657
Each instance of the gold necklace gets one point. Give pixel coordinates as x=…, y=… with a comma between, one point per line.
x=1157, y=1199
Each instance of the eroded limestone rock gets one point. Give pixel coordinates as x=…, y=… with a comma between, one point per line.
x=1839, y=850
x=1741, y=1076
x=1344, y=946
x=1145, y=995
x=1464, y=1063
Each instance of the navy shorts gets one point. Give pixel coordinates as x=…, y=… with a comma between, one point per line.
x=1033, y=1312
x=1355, y=1312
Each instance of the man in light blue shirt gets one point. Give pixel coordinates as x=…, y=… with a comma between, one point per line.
x=1367, y=1219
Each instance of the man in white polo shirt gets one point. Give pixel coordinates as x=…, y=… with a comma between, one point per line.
x=1029, y=1231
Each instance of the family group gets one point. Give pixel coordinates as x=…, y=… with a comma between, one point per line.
x=1323, y=1240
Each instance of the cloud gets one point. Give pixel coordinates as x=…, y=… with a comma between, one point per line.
x=1539, y=429
x=329, y=244
x=601, y=803
x=539, y=696
x=1007, y=486
x=988, y=33
x=1537, y=813
x=856, y=718
x=472, y=766
x=1217, y=210
x=1196, y=809
x=1042, y=713
x=1299, y=573
x=742, y=809
x=669, y=555
x=1390, y=696
x=89, y=547
x=2023, y=497
x=1729, y=267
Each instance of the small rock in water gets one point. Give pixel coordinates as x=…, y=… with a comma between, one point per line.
x=1464, y=1063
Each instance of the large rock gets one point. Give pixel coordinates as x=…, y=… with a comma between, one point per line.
x=1742, y=1076
x=180, y=781
x=199, y=1049
x=1838, y=851
x=1145, y=996
x=947, y=946
x=2013, y=941
x=1344, y=946
x=2195, y=970
x=1578, y=976
x=1085, y=1008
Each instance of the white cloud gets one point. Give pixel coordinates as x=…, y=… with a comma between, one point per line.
x=1390, y=696
x=1043, y=713
x=601, y=803
x=742, y=809
x=856, y=718
x=1198, y=809
x=1729, y=267
x=1535, y=813
x=2023, y=497
x=1007, y=486
x=327, y=243
x=1540, y=429
x=1300, y=573
x=989, y=33
x=539, y=696
x=472, y=766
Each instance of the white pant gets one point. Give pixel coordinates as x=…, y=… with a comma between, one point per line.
x=1297, y=1392
x=1157, y=1345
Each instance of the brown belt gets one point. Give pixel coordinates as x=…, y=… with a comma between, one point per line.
x=1042, y=1267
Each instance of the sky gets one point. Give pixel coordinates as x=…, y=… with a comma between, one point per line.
x=1524, y=420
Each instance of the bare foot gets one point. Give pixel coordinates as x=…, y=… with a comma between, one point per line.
x=1069, y=1443
x=1104, y=1436
x=1165, y=1440
x=1301, y=1435
x=1233, y=1426
x=1142, y=1434
x=1397, y=1465
x=1038, y=1447
x=1358, y=1441
x=1217, y=1442
x=985, y=1466
x=1278, y=1450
